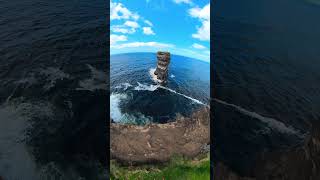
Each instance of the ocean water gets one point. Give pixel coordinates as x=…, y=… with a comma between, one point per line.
x=53, y=89
x=136, y=96
x=267, y=78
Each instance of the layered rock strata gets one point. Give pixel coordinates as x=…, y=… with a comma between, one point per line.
x=162, y=66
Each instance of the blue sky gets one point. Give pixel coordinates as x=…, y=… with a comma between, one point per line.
x=179, y=26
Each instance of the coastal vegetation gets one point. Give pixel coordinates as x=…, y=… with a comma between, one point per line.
x=176, y=169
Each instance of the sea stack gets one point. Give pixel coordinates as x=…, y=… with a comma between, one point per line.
x=162, y=67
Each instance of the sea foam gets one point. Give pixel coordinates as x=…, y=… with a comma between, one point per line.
x=118, y=116
x=123, y=86
x=272, y=123
x=97, y=81
x=188, y=97
x=153, y=76
x=143, y=87
x=151, y=87
x=115, y=112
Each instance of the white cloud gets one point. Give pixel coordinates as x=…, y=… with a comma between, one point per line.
x=131, y=24
x=203, y=14
x=148, y=22
x=203, y=33
x=129, y=27
x=198, y=46
x=142, y=44
x=118, y=11
x=122, y=29
x=148, y=31
x=182, y=1
x=117, y=38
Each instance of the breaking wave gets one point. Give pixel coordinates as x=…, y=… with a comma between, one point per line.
x=115, y=112
x=137, y=118
x=143, y=87
x=153, y=76
x=118, y=116
x=52, y=76
x=123, y=86
x=155, y=87
x=98, y=81
x=188, y=97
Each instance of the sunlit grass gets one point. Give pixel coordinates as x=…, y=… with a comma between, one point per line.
x=179, y=168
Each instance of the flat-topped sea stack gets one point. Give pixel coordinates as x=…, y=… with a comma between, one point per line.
x=163, y=65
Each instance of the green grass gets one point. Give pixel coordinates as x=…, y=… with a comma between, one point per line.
x=179, y=168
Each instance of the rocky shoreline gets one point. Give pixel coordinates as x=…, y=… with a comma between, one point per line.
x=158, y=143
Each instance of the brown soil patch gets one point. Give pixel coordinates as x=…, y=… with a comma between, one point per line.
x=159, y=142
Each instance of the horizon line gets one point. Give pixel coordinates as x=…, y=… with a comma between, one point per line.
x=156, y=52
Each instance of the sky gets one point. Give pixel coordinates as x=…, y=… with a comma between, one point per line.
x=181, y=27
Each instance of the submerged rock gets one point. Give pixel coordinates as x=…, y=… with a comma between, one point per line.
x=163, y=65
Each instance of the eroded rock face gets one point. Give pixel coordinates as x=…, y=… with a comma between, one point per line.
x=162, y=66
x=132, y=144
x=300, y=163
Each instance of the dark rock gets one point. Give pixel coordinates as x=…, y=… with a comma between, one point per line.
x=162, y=66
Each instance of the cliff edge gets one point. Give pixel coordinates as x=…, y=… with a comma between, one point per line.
x=187, y=136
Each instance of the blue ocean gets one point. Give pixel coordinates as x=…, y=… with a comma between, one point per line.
x=137, y=98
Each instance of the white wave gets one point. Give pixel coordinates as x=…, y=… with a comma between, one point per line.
x=188, y=97
x=272, y=123
x=123, y=86
x=52, y=76
x=91, y=85
x=143, y=87
x=153, y=76
x=98, y=81
x=118, y=116
x=115, y=111
x=172, y=76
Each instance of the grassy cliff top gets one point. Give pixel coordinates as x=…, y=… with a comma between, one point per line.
x=178, y=168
